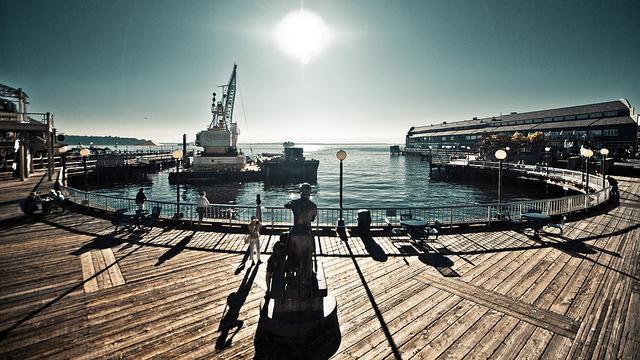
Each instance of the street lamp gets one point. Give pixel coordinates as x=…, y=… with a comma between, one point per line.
x=177, y=154
x=604, y=153
x=84, y=153
x=341, y=155
x=500, y=155
x=587, y=153
x=547, y=149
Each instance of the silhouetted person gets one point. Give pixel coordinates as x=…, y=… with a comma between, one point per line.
x=140, y=199
x=276, y=261
x=615, y=194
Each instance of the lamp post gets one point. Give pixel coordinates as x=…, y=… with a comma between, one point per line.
x=500, y=155
x=604, y=153
x=587, y=153
x=547, y=149
x=84, y=153
x=63, y=160
x=177, y=154
x=341, y=155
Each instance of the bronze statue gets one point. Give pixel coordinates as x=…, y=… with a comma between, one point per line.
x=301, y=244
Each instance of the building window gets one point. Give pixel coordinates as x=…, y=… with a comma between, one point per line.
x=537, y=120
x=595, y=115
x=611, y=132
x=584, y=116
x=611, y=113
x=570, y=117
x=595, y=132
x=444, y=138
x=558, y=118
x=547, y=119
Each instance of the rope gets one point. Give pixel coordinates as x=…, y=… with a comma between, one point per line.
x=244, y=113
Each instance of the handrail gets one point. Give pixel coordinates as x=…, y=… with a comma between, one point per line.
x=230, y=215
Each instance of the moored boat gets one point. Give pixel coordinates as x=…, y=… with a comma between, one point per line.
x=221, y=161
x=288, y=167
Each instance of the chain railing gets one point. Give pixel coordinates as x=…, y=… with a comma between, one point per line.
x=229, y=215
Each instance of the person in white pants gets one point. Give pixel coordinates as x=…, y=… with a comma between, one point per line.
x=254, y=239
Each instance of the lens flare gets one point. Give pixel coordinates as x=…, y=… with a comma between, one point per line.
x=303, y=34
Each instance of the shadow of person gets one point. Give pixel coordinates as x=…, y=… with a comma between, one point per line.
x=177, y=249
x=235, y=300
x=372, y=247
x=243, y=263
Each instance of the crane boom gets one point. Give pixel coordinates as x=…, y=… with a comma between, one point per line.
x=231, y=96
x=222, y=115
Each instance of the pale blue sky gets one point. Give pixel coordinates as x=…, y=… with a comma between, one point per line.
x=147, y=68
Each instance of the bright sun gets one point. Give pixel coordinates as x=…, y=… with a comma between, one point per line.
x=303, y=34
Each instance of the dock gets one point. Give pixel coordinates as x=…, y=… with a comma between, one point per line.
x=72, y=288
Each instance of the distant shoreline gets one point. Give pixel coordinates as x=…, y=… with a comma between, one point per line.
x=99, y=140
x=111, y=140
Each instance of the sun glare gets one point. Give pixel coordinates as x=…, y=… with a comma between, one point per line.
x=303, y=34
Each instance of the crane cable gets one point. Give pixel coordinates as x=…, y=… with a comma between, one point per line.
x=244, y=113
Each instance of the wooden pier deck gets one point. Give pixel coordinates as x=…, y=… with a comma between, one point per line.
x=71, y=288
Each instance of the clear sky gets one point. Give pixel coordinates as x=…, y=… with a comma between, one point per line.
x=147, y=69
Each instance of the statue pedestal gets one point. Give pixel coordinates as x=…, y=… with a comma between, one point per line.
x=296, y=309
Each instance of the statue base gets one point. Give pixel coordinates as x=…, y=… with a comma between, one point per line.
x=296, y=309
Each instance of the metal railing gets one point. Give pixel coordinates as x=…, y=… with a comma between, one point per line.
x=272, y=217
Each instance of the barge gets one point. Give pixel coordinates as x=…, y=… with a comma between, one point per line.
x=289, y=167
x=222, y=162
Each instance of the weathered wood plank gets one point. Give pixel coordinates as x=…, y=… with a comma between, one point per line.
x=179, y=292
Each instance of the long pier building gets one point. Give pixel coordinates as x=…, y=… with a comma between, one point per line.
x=612, y=125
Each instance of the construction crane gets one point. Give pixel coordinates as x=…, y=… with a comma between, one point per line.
x=221, y=136
x=222, y=115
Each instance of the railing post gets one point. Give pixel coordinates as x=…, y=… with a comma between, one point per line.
x=450, y=218
x=272, y=220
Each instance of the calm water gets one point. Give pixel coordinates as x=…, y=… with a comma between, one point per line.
x=372, y=179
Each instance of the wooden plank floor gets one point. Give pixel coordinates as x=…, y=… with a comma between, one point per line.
x=71, y=288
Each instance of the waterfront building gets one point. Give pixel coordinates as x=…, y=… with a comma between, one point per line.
x=24, y=137
x=612, y=125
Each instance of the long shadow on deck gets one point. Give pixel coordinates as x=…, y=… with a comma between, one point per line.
x=98, y=243
x=376, y=251
x=383, y=324
x=235, y=300
x=177, y=249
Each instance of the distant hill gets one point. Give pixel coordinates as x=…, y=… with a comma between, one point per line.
x=99, y=140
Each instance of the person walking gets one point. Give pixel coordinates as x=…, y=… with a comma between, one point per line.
x=141, y=197
x=254, y=239
x=201, y=206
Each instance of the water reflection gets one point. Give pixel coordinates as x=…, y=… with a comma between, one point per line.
x=372, y=179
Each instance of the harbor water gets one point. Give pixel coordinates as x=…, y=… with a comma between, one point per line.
x=372, y=178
